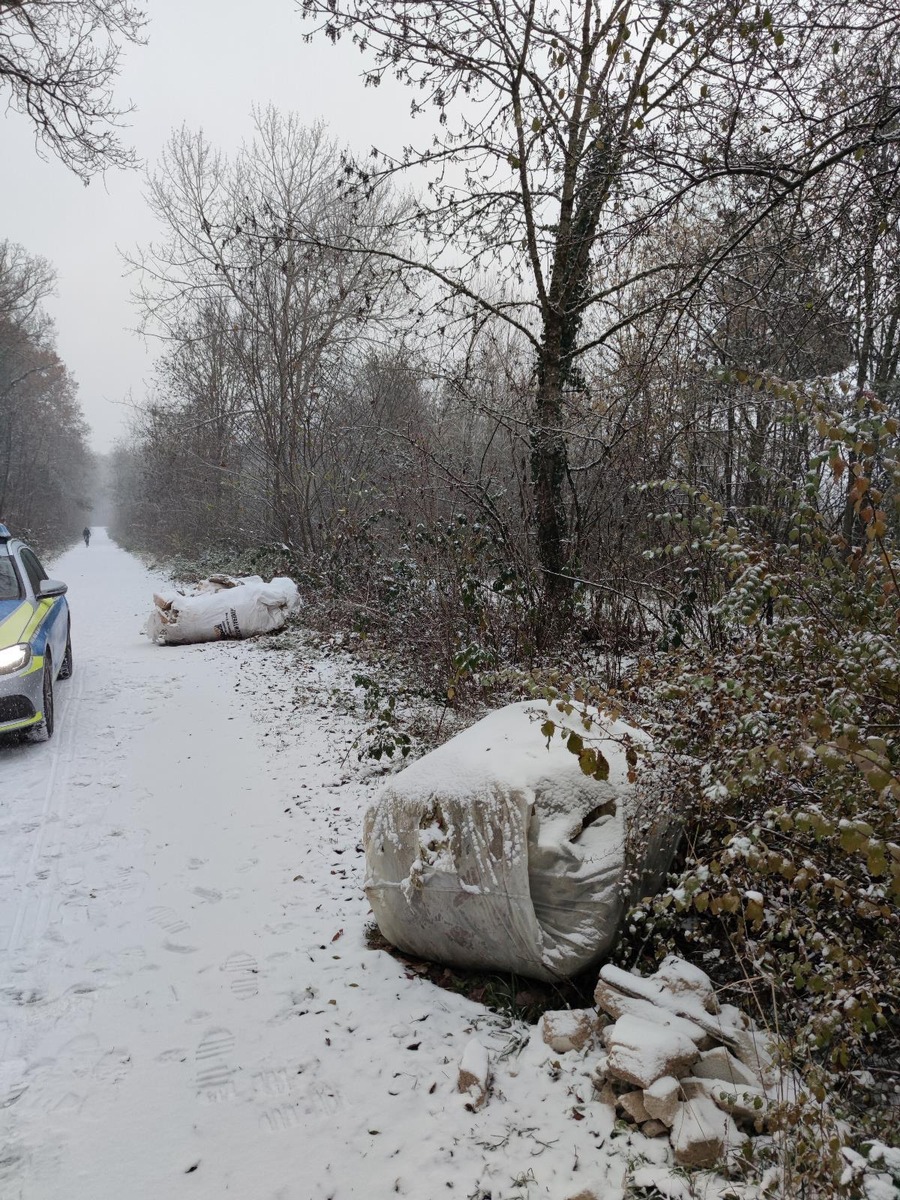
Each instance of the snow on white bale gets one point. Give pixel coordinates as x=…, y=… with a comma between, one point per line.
x=223, y=607
x=496, y=851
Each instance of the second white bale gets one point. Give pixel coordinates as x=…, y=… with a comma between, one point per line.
x=244, y=609
x=495, y=851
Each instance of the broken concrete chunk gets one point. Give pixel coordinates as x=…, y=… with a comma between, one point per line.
x=701, y=1132
x=755, y=1051
x=683, y=1005
x=662, y=1098
x=474, y=1074
x=733, y=1017
x=720, y=1063
x=747, y=1102
x=617, y=1004
x=641, y=1052
x=599, y=1068
x=568, y=1029
x=678, y=977
x=606, y=1095
x=654, y=1128
x=633, y=1104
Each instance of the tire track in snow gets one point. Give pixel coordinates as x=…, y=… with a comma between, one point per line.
x=53, y=811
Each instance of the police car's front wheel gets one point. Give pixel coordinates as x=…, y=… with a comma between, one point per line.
x=65, y=671
x=43, y=731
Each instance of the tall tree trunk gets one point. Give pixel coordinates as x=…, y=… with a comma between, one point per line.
x=548, y=469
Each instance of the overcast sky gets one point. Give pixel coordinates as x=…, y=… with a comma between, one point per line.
x=206, y=63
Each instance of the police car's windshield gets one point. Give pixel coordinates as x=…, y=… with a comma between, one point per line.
x=9, y=580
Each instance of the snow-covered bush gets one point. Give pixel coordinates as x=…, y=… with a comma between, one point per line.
x=779, y=709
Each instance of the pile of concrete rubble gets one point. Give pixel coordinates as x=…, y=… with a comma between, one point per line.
x=674, y=1063
x=671, y=1060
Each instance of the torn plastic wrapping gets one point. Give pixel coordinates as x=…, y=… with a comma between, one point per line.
x=496, y=852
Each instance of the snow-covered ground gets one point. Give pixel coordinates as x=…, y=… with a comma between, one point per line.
x=187, y=1003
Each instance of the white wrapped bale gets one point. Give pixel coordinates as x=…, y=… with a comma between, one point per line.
x=244, y=609
x=496, y=852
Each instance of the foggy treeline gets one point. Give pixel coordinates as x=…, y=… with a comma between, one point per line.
x=45, y=464
x=450, y=376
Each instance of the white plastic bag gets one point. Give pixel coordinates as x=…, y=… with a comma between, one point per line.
x=240, y=609
x=496, y=852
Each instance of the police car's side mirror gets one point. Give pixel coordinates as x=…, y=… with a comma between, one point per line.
x=52, y=587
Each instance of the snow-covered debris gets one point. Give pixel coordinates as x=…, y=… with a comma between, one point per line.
x=475, y=1074
x=222, y=607
x=702, y=1133
x=680, y=978
x=661, y=1099
x=523, y=854
x=720, y=1063
x=617, y=1005
x=728, y=1025
x=633, y=1104
x=640, y=1052
x=569, y=1029
x=748, y=1102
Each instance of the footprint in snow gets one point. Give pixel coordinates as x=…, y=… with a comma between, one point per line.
x=274, y=1082
x=167, y=919
x=178, y=947
x=112, y=1066
x=214, y=1067
x=282, y=1118
x=244, y=972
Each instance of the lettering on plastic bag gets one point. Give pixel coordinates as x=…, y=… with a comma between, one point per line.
x=229, y=627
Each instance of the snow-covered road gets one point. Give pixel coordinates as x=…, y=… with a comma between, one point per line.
x=187, y=1003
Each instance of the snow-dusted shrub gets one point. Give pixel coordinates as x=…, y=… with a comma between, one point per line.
x=779, y=709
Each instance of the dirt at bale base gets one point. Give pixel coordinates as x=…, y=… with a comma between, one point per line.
x=518, y=998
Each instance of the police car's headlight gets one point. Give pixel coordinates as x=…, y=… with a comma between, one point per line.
x=14, y=658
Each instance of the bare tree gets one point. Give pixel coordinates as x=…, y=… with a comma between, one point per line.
x=44, y=459
x=569, y=129
x=261, y=240
x=58, y=62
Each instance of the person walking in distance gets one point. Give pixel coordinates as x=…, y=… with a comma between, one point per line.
x=86, y=534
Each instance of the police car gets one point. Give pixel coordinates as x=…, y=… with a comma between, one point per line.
x=35, y=639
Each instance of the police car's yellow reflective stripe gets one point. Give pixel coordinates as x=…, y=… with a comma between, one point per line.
x=12, y=628
x=42, y=610
x=23, y=624
x=9, y=726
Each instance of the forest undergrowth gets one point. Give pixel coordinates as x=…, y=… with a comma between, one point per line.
x=770, y=684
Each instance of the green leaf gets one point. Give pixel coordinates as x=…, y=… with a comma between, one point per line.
x=587, y=760
x=575, y=743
